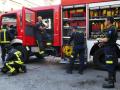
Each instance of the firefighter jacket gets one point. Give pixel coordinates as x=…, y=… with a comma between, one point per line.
x=112, y=35
x=5, y=37
x=14, y=55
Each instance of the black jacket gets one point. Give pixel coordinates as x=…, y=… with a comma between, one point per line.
x=77, y=38
x=112, y=35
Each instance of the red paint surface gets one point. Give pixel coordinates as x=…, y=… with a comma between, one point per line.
x=70, y=2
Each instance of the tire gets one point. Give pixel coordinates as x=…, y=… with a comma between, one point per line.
x=24, y=52
x=98, y=59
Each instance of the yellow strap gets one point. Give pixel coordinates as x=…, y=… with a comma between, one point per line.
x=10, y=62
x=4, y=38
x=12, y=69
x=109, y=62
x=19, y=62
x=18, y=53
x=5, y=41
x=4, y=35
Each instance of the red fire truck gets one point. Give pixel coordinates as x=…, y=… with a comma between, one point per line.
x=24, y=21
x=61, y=18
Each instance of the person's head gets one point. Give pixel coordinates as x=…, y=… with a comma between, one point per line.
x=11, y=26
x=74, y=29
x=39, y=18
x=4, y=26
x=109, y=21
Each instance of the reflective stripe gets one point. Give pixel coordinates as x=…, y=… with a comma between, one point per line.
x=10, y=62
x=18, y=53
x=27, y=48
x=19, y=62
x=4, y=37
x=109, y=62
x=5, y=41
x=42, y=52
x=12, y=69
x=49, y=43
x=3, y=29
x=71, y=56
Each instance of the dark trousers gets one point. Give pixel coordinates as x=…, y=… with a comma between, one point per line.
x=41, y=38
x=39, y=41
x=110, y=60
x=3, y=52
x=78, y=50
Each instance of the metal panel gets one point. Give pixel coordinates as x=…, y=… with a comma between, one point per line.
x=29, y=31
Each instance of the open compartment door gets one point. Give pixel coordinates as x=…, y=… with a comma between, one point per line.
x=28, y=19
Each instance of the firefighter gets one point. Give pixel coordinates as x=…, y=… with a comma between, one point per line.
x=4, y=40
x=40, y=30
x=14, y=63
x=78, y=49
x=110, y=52
x=5, y=37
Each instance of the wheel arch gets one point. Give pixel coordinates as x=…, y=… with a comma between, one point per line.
x=94, y=49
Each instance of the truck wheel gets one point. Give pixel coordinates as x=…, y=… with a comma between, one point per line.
x=98, y=59
x=24, y=52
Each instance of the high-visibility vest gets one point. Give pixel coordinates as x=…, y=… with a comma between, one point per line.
x=4, y=37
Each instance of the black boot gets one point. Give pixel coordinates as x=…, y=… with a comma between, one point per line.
x=69, y=71
x=114, y=77
x=109, y=84
x=23, y=69
x=80, y=71
x=70, y=68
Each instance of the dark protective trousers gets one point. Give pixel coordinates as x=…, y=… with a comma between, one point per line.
x=3, y=52
x=78, y=50
x=110, y=60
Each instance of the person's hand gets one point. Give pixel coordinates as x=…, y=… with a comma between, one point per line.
x=99, y=39
x=102, y=39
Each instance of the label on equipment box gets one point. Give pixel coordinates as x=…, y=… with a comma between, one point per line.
x=35, y=49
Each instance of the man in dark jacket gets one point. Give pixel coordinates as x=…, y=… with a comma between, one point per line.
x=110, y=52
x=5, y=38
x=78, y=49
x=40, y=30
